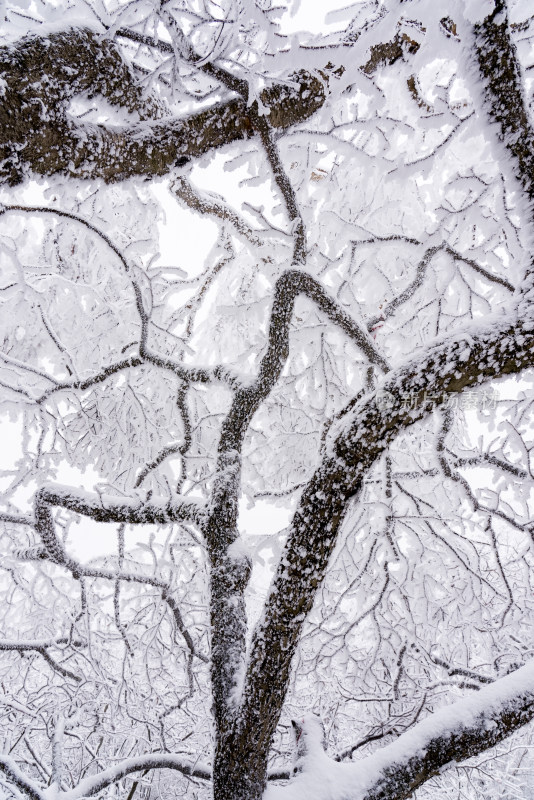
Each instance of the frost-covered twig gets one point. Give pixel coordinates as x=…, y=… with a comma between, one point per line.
x=41, y=647
x=491, y=460
x=181, y=448
x=466, y=673
x=15, y=776
x=420, y=273
x=204, y=205
x=95, y=784
x=17, y=519
x=382, y=733
x=108, y=509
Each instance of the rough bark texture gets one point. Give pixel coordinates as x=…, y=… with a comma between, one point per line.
x=469, y=361
x=400, y=780
x=43, y=74
x=503, y=92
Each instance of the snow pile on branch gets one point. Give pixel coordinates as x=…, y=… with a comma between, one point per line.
x=407, y=762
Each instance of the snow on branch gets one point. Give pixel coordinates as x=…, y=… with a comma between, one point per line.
x=354, y=444
x=15, y=776
x=17, y=519
x=111, y=508
x=288, y=287
x=451, y=734
x=107, y=508
x=421, y=271
x=97, y=783
x=46, y=72
x=41, y=647
x=503, y=92
x=208, y=206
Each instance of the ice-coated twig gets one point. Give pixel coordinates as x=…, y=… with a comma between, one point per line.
x=466, y=673
x=420, y=273
x=207, y=206
x=15, y=776
x=192, y=374
x=116, y=593
x=41, y=647
x=382, y=733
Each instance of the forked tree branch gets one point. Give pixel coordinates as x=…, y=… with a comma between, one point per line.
x=354, y=444
x=41, y=647
x=97, y=507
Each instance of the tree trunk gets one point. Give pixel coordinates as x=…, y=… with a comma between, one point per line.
x=239, y=771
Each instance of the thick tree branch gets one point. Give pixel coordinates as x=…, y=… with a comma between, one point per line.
x=503, y=92
x=12, y=772
x=450, y=735
x=42, y=75
x=288, y=287
x=110, y=508
x=354, y=444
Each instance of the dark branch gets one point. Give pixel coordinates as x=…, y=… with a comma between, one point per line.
x=108, y=508
x=354, y=444
x=12, y=772
x=43, y=74
x=503, y=92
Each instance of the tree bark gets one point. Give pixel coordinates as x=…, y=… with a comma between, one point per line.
x=364, y=435
x=503, y=95
x=41, y=75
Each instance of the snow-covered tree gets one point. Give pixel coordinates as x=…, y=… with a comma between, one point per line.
x=267, y=494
